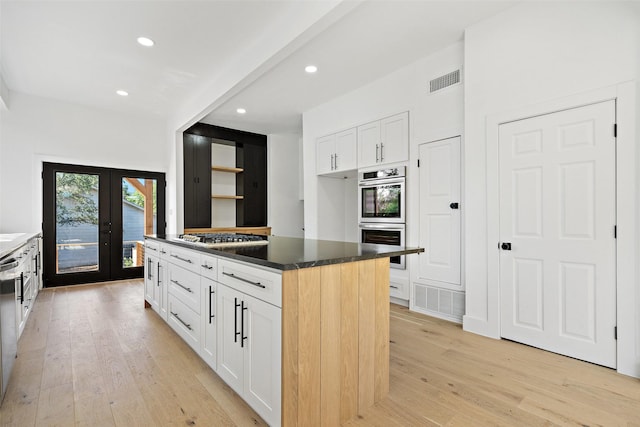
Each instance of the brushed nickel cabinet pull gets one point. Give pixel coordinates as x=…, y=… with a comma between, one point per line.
x=186, y=325
x=258, y=284
x=182, y=259
x=181, y=285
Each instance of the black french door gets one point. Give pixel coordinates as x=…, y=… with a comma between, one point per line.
x=94, y=222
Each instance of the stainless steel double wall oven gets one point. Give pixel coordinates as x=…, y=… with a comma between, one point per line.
x=381, y=201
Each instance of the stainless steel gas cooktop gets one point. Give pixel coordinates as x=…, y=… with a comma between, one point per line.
x=223, y=240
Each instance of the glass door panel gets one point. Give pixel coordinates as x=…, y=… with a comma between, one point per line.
x=139, y=217
x=94, y=222
x=76, y=222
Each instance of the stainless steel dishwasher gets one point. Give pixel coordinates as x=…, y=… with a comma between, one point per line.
x=11, y=279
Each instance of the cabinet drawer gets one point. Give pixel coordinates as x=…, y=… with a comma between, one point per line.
x=185, y=285
x=184, y=258
x=262, y=284
x=399, y=290
x=209, y=266
x=185, y=322
x=152, y=247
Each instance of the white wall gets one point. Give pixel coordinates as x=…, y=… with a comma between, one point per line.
x=285, y=210
x=36, y=129
x=530, y=54
x=431, y=117
x=4, y=92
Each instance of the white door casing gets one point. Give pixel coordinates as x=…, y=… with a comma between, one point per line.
x=558, y=212
x=439, y=225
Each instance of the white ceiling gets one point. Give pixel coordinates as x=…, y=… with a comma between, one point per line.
x=81, y=52
x=373, y=40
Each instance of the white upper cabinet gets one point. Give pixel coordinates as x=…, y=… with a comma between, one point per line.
x=346, y=148
x=384, y=141
x=336, y=152
x=326, y=147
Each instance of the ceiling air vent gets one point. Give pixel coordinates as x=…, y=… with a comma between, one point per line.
x=444, y=81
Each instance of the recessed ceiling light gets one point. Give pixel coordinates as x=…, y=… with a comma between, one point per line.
x=145, y=41
x=241, y=111
x=122, y=92
x=311, y=69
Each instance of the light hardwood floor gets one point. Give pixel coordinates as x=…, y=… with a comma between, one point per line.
x=91, y=355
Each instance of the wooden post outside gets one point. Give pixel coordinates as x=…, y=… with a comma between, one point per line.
x=148, y=206
x=147, y=192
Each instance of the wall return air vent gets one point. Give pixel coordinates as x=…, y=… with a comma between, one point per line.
x=444, y=81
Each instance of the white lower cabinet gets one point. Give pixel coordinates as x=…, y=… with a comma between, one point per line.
x=209, y=322
x=151, y=293
x=184, y=321
x=249, y=350
x=155, y=288
x=229, y=313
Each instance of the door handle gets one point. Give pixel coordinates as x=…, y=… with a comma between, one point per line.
x=242, y=336
x=453, y=205
x=211, y=315
x=505, y=246
x=235, y=320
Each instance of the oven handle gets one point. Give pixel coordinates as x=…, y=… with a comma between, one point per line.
x=382, y=226
x=377, y=182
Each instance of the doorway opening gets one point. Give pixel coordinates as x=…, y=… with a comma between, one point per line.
x=95, y=220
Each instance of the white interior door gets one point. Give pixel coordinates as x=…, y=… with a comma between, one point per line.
x=557, y=212
x=440, y=211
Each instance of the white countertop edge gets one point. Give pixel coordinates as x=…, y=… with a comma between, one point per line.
x=9, y=242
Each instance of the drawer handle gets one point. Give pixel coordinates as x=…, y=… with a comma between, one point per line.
x=181, y=285
x=153, y=249
x=208, y=267
x=163, y=251
x=394, y=287
x=258, y=284
x=186, y=325
x=182, y=259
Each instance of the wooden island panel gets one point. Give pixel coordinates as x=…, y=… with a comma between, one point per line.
x=335, y=341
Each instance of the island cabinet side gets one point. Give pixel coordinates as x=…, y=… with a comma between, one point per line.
x=335, y=341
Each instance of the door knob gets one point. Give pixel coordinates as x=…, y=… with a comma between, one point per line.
x=506, y=246
x=453, y=205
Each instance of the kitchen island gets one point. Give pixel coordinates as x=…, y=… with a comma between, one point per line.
x=310, y=345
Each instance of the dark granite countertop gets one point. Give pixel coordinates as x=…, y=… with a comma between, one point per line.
x=290, y=253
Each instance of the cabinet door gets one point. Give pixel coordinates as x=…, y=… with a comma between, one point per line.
x=203, y=186
x=262, y=381
x=325, y=150
x=190, y=214
x=369, y=144
x=230, y=354
x=162, y=289
x=254, y=186
x=150, y=281
x=197, y=181
x=394, y=137
x=209, y=324
x=439, y=219
x=345, y=151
